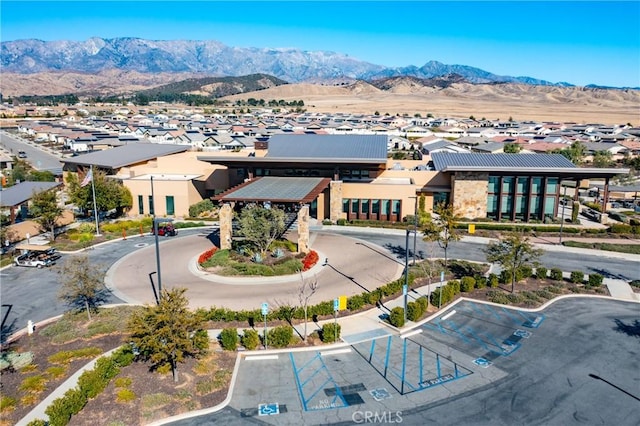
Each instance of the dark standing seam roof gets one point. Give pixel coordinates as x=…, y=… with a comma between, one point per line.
x=371, y=147
x=279, y=189
x=122, y=156
x=23, y=191
x=444, y=160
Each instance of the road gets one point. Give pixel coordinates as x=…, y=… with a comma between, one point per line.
x=32, y=293
x=37, y=157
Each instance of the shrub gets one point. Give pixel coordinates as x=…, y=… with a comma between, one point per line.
x=481, y=282
x=37, y=422
x=198, y=208
x=497, y=296
x=467, y=284
x=280, y=337
x=355, y=302
x=250, y=339
x=33, y=384
x=620, y=228
x=341, y=222
x=330, y=332
x=125, y=395
x=7, y=403
x=65, y=357
x=423, y=302
x=493, y=281
x=556, y=274
x=396, y=317
x=505, y=276
x=56, y=371
x=87, y=227
x=122, y=382
x=414, y=311
x=595, y=280
x=541, y=272
x=577, y=277
x=61, y=409
x=525, y=271
x=229, y=339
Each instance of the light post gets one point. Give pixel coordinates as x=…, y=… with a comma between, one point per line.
x=564, y=194
x=405, y=287
x=155, y=233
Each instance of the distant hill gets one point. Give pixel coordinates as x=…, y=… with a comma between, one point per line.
x=218, y=86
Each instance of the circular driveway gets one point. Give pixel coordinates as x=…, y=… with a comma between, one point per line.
x=352, y=269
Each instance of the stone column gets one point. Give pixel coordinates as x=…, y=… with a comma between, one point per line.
x=335, y=200
x=226, y=216
x=303, y=229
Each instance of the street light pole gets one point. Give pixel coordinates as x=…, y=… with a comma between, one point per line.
x=564, y=195
x=152, y=206
x=405, y=288
x=415, y=227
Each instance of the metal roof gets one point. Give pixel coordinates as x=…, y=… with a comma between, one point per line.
x=313, y=146
x=122, y=156
x=18, y=194
x=277, y=189
x=445, y=161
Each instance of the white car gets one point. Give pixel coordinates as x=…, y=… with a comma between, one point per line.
x=34, y=260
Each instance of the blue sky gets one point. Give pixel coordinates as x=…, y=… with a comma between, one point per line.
x=578, y=42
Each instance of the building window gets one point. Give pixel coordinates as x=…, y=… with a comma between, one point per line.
x=494, y=182
x=440, y=198
x=549, y=207
x=552, y=185
x=151, y=209
x=536, y=185
x=375, y=207
x=345, y=205
x=535, y=208
x=395, y=207
x=386, y=204
x=140, y=204
x=507, y=206
x=507, y=184
x=521, y=205
x=355, y=207
x=523, y=185
x=365, y=206
x=492, y=206
x=170, y=205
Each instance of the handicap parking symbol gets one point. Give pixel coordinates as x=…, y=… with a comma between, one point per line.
x=380, y=394
x=522, y=333
x=268, y=409
x=482, y=362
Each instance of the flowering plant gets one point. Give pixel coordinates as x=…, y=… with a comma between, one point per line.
x=309, y=260
x=207, y=255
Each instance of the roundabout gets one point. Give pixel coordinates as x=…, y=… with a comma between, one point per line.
x=351, y=269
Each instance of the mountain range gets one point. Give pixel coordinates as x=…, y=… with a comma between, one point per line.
x=212, y=58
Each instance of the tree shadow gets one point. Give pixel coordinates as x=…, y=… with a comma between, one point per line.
x=8, y=329
x=608, y=274
x=632, y=330
x=399, y=251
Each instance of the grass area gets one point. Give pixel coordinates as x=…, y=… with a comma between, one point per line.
x=620, y=248
x=74, y=325
x=65, y=357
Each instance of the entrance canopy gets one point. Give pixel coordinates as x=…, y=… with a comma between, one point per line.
x=277, y=189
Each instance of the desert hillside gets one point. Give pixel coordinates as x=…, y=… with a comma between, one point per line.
x=400, y=96
x=492, y=101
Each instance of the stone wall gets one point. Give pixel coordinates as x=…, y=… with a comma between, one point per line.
x=469, y=194
x=303, y=230
x=335, y=200
x=226, y=216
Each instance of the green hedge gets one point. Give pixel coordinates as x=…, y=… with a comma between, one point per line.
x=595, y=280
x=577, y=277
x=280, y=337
x=250, y=339
x=229, y=339
x=396, y=317
x=556, y=274
x=90, y=384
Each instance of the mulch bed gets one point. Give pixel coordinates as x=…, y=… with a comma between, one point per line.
x=157, y=396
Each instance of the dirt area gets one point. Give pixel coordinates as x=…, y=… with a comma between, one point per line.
x=202, y=383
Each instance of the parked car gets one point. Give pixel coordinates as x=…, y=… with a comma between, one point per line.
x=22, y=154
x=166, y=230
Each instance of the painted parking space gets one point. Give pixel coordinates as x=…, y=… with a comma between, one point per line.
x=409, y=366
x=484, y=331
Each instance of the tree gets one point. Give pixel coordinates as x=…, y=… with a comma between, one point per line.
x=512, y=252
x=442, y=228
x=110, y=193
x=306, y=290
x=82, y=284
x=45, y=208
x=41, y=176
x=602, y=159
x=512, y=148
x=261, y=226
x=168, y=332
x=575, y=153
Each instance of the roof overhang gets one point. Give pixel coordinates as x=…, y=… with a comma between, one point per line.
x=276, y=189
x=257, y=161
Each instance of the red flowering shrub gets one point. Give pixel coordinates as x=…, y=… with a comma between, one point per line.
x=309, y=260
x=207, y=255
